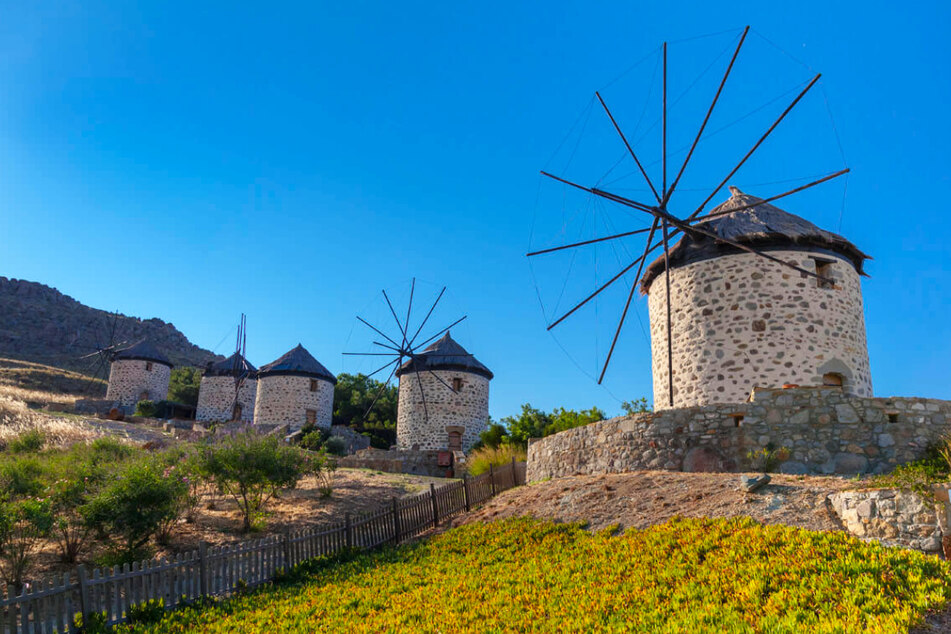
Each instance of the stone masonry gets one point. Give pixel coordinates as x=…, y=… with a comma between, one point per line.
x=134, y=380
x=824, y=429
x=216, y=399
x=893, y=517
x=286, y=399
x=740, y=321
x=465, y=411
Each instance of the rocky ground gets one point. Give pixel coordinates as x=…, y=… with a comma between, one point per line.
x=643, y=498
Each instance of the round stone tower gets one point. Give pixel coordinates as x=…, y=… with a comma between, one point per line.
x=443, y=399
x=295, y=390
x=138, y=373
x=740, y=321
x=216, y=395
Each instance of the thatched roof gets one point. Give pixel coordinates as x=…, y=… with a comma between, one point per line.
x=763, y=227
x=228, y=367
x=297, y=362
x=142, y=351
x=445, y=354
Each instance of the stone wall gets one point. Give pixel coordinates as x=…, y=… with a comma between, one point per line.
x=216, y=399
x=355, y=441
x=741, y=321
x=134, y=380
x=466, y=410
x=825, y=431
x=415, y=462
x=285, y=399
x=893, y=517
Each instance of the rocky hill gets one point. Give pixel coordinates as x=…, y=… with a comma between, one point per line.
x=40, y=324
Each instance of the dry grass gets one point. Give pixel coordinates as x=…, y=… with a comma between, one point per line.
x=16, y=418
x=43, y=384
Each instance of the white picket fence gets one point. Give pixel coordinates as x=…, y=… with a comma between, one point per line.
x=52, y=605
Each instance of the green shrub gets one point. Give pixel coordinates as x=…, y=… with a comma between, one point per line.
x=28, y=442
x=479, y=460
x=313, y=438
x=132, y=508
x=768, y=458
x=148, y=409
x=336, y=446
x=251, y=469
x=23, y=525
x=107, y=450
x=22, y=476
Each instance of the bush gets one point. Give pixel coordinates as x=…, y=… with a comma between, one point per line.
x=315, y=439
x=147, y=409
x=479, y=460
x=251, y=469
x=22, y=476
x=132, y=508
x=150, y=611
x=28, y=442
x=23, y=524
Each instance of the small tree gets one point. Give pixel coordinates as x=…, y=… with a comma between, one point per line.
x=134, y=507
x=183, y=385
x=251, y=469
x=23, y=524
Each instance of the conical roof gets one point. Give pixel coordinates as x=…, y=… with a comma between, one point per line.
x=297, y=362
x=763, y=226
x=143, y=351
x=445, y=354
x=228, y=367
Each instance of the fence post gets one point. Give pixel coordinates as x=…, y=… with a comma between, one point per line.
x=396, y=522
x=287, y=550
x=203, y=580
x=514, y=482
x=465, y=491
x=432, y=496
x=492, y=478
x=348, y=527
x=84, y=607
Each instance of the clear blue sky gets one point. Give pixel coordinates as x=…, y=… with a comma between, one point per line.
x=195, y=160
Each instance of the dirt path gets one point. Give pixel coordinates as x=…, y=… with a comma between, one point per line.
x=644, y=498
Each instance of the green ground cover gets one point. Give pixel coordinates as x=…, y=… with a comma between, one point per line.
x=529, y=576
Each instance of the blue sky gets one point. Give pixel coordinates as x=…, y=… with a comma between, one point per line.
x=289, y=161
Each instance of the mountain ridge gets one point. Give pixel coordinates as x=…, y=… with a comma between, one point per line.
x=39, y=323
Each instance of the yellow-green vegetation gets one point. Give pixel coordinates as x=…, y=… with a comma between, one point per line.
x=479, y=460
x=529, y=576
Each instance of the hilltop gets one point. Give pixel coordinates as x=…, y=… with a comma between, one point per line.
x=40, y=324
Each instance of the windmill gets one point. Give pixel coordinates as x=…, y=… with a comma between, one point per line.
x=668, y=218
x=404, y=348
x=96, y=364
x=240, y=370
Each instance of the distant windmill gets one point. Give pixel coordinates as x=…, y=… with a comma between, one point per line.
x=241, y=370
x=665, y=221
x=96, y=364
x=405, y=348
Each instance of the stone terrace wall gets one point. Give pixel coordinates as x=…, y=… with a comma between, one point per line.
x=893, y=517
x=129, y=378
x=741, y=321
x=825, y=430
x=216, y=399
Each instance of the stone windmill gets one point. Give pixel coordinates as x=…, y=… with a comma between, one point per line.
x=228, y=389
x=743, y=237
x=443, y=389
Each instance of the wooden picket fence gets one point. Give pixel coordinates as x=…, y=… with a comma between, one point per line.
x=52, y=605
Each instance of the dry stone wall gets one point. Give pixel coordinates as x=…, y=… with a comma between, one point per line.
x=466, y=411
x=134, y=380
x=825, y=431
x=893, y=517
x=284, y=399
x=740, y=321
x=216, y=399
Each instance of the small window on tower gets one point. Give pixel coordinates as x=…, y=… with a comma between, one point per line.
x=824, y=271
x=311, y=416
x=148, y=366
x=456, y=384
x=832, y=379
x=313, y=385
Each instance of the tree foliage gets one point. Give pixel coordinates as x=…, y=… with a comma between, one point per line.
x=183, y=385
x=535, y=423
x=353, y=395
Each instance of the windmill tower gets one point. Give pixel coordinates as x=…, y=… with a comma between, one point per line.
x=743, y=321
x=138, y=373
x=228, y=388
x=295, y=389
x=431, y=417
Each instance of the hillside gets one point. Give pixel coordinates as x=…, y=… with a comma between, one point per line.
x=40, y=324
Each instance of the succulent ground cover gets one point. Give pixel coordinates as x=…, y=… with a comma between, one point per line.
x=524, y=575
